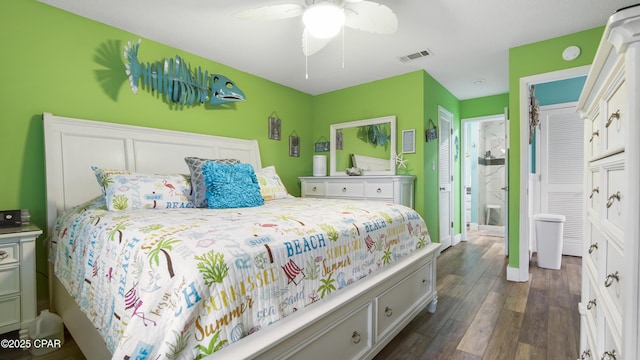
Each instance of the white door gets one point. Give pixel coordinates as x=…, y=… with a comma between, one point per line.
x=561, y=170
x=506, y=182
x=445, y=177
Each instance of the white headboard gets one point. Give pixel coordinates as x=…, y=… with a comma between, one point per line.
x=72, y=146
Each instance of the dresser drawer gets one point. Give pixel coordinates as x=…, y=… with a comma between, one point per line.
x=593, y=147
x=9, y=280
x=348, y=339
x=9, y=254
x=611, y=346
x=378, y=190
x=314, y=189
x=614, y=192
x=612, y=279
x=595, y=247
x=345, y=189
x=396, y=301
x=617, y=117
x=593, y=191
x=9, y=311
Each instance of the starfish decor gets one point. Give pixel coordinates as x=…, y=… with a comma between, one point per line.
x=400, y=160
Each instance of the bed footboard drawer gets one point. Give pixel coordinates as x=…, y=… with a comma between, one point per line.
x=348, y=339
x=393, y=305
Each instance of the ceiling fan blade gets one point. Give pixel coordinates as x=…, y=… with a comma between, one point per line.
x=371, y=17
x=311, y=45
x=271, y=12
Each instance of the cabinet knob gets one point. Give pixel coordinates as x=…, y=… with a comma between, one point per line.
x=614, y=116
x=593, y=246
x=610, y=278
x=344, y=189
x=595, y=133
x=379, y=190
x=388, y=311
x=314, y=189
x=3, y=254
x=609, y=355
x=612, y=198
x=595, y=190
x=591, y=304
x=355, y=337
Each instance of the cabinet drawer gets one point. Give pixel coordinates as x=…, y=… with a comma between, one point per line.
x=396, y=301
x=613, y=278
x=615, y=125
x=314, y=189
x=9, y=311
x=614, y=196
x=593, y=147
x=347, y=339
x=9, y=254
x=593, y=191
x=611, y=346
x=9, y=280
x=379, y=190
x=345, y=189
x=595, y=246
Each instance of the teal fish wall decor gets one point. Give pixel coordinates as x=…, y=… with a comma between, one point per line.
x=175, y=79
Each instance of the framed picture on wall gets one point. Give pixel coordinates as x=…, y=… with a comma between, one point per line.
x=409, y=141
x=274, y=127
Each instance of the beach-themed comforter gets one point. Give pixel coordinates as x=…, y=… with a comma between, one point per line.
x=183, y=283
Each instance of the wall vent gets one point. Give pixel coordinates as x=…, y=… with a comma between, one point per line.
x=416, y=55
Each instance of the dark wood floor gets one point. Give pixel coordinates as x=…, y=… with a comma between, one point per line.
x=480, y=314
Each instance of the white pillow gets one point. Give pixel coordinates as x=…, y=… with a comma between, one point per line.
x=271, y=187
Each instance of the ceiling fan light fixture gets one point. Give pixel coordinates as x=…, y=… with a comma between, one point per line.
x=323, y=20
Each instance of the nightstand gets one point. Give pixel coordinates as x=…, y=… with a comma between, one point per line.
x=18, y=300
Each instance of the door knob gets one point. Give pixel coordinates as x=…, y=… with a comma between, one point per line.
x=442, y=188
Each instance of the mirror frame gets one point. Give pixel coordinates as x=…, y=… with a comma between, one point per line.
x=392, y=144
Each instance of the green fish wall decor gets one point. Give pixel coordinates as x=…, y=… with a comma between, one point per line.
x=175, y=79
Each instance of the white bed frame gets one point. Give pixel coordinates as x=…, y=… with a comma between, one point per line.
x=355, y=322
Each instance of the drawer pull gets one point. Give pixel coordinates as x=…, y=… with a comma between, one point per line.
x=3, y=254
x=355, y=338
x=314, y=189
x=425, y=282
x=388, y=311
x=612, y=198
x=595, y=133
x=615, y=115
x=585, y=355
x=344, y=189
x=595, y=190
x=610, y=355
x=593, y=247
x=379, y=190
x=591, y=304
x=610, y=278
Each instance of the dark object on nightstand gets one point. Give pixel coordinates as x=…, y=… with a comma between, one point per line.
x=10, y=218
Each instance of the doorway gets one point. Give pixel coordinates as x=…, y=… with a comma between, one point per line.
x=445, y=177
x=484, y=176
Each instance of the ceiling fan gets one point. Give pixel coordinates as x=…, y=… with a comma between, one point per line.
x=323, y=19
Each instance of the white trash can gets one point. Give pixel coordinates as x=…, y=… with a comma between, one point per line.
x=549, y=232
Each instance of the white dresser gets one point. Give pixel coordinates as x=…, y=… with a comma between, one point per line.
x=610, y=105
x=18, y=278
x=397, y=189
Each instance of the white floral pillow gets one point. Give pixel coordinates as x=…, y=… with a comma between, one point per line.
x=125, y=190
x=271, y=187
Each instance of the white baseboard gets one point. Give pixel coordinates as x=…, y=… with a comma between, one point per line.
x=456, y=239
x=572, y=249
x=514, y=274
x=473, y=227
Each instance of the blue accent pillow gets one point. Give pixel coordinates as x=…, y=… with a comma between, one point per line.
x=231, y=185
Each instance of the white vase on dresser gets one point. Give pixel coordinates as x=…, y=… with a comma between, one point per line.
x=610, y=105
x=397, y=189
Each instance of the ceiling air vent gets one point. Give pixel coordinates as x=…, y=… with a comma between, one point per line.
x=414, y=56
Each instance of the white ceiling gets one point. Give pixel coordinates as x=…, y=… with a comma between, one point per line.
x=469, y=39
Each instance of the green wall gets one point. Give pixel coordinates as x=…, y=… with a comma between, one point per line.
x=57, y=62
x=527, y=60
x=484, y=106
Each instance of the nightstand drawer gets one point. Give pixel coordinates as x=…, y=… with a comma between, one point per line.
x=9, y=311
x=9, y=280
x=378, y=190
x=345, y=189
x=9, y=254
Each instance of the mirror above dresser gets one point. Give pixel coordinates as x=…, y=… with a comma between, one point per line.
x=368, y=144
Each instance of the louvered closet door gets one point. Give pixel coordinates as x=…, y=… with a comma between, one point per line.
x=445, y=177
x=561, y=170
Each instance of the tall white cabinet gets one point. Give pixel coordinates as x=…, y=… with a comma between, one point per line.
x=610, y=105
